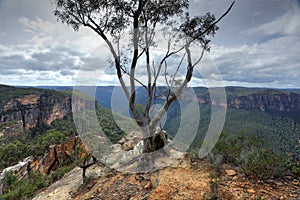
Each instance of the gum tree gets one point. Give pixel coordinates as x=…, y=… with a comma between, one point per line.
x=139, y=22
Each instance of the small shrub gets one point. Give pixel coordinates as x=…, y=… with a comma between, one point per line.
x=264, y=164
x=229, y=147
x=294, y=167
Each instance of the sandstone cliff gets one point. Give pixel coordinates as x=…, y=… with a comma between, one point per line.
x=59, y=155
x=268, y=100
x=41, y=107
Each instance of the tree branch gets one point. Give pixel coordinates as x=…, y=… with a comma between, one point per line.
x=98, y=30
x=213, y=24
x=179, y=90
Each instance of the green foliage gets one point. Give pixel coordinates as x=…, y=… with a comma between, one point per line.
x=232, y=91
x=13, y=149
x=26, y=188
x=52, y=137
x=293, y=166
x=9, y=92
x=229, y=147
x=108, y=125
x=139, y=108
x=7, y=124
x=9, y=179
x=36, y=143
x=264, y=164
x=65, y=125
x=275, y=130
x=12, y=152
x=81, y=156
x=115, y=16
x=248, y=153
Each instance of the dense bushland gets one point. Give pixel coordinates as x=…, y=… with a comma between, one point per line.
x=249, y=155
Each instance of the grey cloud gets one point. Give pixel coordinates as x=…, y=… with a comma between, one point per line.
x=245, y=15
x=12, y=61
x=287, y=24
x=275, y=61
x=66, y=73
x=44, y=76
x=10, y=13
x=53, y=60
x=8, y=72
x=38, y=25
x=94, y=63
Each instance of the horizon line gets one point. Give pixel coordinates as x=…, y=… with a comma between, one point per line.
x=226, y=86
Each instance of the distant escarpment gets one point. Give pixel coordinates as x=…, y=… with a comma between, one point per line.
x=284, y=102
x=263, y=99
x=266, y=100
x=36, y=108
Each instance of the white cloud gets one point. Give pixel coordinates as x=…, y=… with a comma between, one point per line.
x=288, y=24
x=34, y=78
x=41, y=40
x=38, y=25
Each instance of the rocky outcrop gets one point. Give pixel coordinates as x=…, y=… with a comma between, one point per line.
x=60, y=155
x=129, y=141
x=39, y=108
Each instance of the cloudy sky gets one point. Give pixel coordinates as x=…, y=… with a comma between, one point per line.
x=258, y=45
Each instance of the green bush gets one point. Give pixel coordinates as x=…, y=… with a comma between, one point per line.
x=12, y=152
x=264, y=164
x=294, y=167
x=26, y=188
x=229, y=147
x=249, y=155
x=23, y=189
x=52, y=137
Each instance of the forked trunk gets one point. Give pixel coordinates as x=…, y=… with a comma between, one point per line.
x=155, y=141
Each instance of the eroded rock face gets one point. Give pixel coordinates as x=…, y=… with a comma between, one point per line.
x=36, y=109
x=59, y=155
x=284, y=102
x=268, y=100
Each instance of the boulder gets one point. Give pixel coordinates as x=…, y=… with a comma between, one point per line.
x=129, y=141
x=230, y=172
